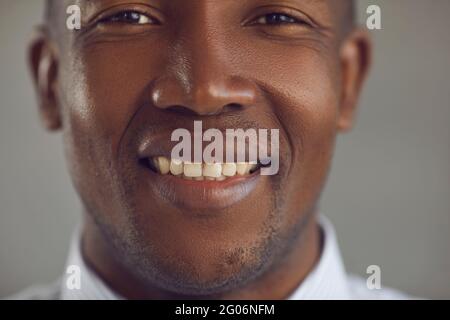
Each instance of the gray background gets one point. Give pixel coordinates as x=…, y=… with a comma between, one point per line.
x=388, y=193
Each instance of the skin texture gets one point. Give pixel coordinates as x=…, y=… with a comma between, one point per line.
x=113, y=85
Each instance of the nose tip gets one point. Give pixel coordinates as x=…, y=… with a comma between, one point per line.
x=207, y=98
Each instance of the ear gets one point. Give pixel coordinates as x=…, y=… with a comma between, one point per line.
x=356, y=58
x=43, y=61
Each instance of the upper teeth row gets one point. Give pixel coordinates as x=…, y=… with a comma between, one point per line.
x=200, y=171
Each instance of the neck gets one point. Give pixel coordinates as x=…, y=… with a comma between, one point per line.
x=278, y=283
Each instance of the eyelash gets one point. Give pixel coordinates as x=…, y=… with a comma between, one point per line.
x=124, y=17
x=286, y=19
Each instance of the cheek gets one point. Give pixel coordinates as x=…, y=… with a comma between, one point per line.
x=302, y=83
x=304, y=91
x=312, y=128
x=109, y=84
x=100, y=93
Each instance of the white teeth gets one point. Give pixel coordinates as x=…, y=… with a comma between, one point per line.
x=199, y=171
x=192, y=170
x=212, y=170
x=176, y=167
x=162, y=164
x=229, y=169
x=241, y=168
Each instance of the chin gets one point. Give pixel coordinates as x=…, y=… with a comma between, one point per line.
x=212, y=284
x=211, y=270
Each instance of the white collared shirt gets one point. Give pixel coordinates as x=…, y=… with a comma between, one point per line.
x=328, y=279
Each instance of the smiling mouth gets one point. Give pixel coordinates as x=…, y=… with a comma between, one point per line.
x=200, y=171
x=200, y=187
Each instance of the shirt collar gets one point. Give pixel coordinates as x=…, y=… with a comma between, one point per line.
x=327, y=280
x=92, y=287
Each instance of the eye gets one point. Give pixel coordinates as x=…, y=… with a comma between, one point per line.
x=130, y=17
x=276, y=19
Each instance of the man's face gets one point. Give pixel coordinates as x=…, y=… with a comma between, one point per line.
x=140, y=69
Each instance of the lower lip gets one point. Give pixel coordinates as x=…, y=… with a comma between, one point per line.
x=202, y=195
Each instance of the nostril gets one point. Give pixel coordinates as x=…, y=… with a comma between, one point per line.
x=228, y=108
x=181, y=110
x=232, y=107
x=192, y=111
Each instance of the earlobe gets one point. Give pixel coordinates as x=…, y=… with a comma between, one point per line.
x=43, y=62
x=355, y=57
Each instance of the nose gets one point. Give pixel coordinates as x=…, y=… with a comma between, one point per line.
x=209, y=97
x=201, y=80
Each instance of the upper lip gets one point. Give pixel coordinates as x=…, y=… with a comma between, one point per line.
x=160, y=145
x=156, y=148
